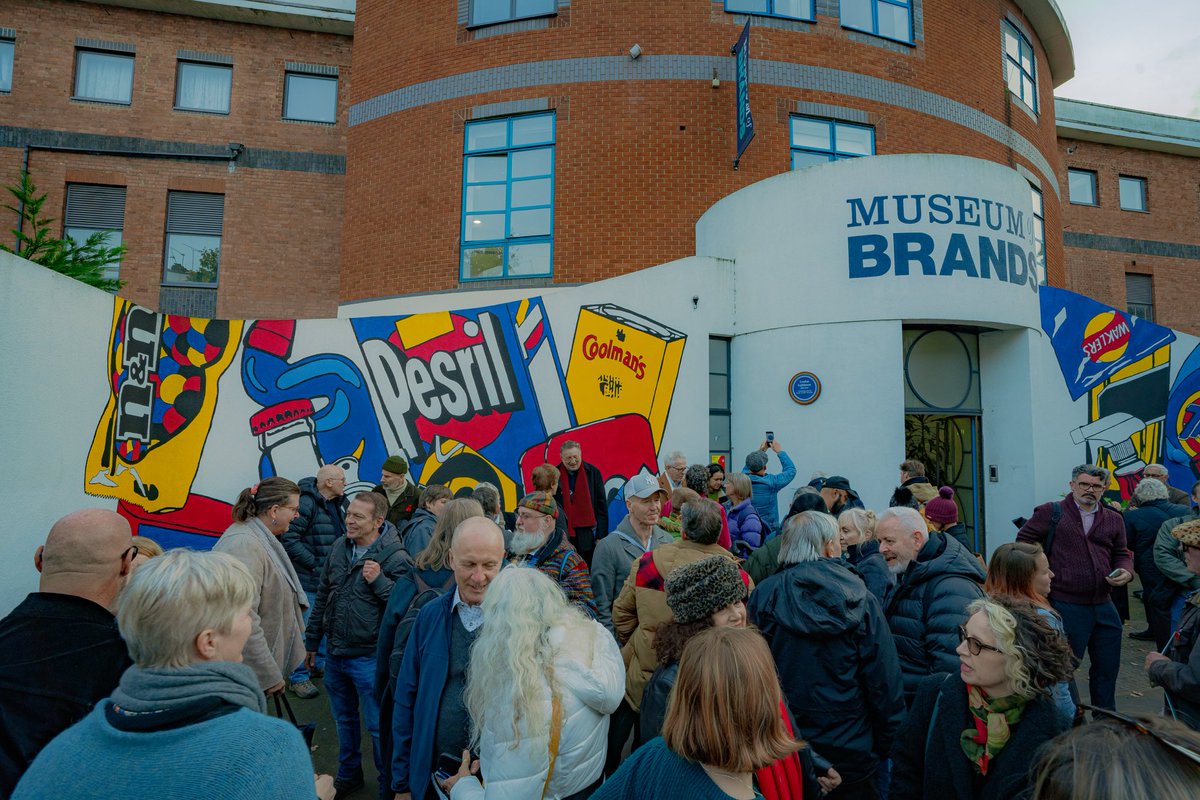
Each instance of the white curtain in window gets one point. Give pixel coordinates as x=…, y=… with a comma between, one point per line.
x=104, y=77
x=204, y=87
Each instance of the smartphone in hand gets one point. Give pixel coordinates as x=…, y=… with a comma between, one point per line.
x=1116, y=573
x=770, y=436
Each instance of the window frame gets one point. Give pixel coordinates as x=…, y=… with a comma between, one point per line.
x=723, y=413
x=512, y=14
x=1140, y=310
x=874, y=4
x=1023, y=43
x=79, y=233
x=1142, y=185
x=833, y=152
x=288, y=74
x=179, y=65
x=812, y=12
x=168, y=233
x=1095, y=181
x=79, y=52
x=8, y=49
x=1039, y=233
x=508, y=241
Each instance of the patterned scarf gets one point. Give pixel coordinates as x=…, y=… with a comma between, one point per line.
x=993, y=718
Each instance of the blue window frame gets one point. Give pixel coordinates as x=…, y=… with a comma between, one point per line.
x=1020, y=67
x=816, y=141
x=508, y=198
x=787, y=9
x=491, y=12
x=891, y=19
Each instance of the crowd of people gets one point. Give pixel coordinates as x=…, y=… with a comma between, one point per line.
x=702, y=645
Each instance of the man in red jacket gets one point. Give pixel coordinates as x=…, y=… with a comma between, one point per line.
x=1085, y=543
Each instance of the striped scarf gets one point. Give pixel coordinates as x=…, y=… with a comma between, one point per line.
x=993, y=718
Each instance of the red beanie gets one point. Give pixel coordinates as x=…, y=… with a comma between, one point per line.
x=942, y=509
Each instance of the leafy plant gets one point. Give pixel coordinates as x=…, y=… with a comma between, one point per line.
x=84, y=261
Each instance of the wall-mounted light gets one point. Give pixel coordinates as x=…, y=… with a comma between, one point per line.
x=635, y=51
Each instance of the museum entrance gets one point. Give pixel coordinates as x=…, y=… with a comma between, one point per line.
x=943, y=416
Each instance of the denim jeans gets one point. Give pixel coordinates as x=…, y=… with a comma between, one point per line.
x=350, y=682
x=1097, y=630
x=300, y=673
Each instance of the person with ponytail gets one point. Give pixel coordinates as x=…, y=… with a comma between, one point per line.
x=260, y=516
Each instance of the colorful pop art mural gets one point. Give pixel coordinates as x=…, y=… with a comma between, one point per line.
x=465, y=396
x=1135, y=413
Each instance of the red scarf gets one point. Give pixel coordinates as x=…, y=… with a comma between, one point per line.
x=782, y=780
x=578, y=505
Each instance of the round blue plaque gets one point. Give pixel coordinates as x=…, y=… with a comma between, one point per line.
x=805, y=388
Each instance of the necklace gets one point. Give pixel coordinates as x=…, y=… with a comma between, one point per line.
x=747, y=781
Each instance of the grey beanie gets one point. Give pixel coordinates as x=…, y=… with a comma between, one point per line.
x=702, y=588
x=756, y=461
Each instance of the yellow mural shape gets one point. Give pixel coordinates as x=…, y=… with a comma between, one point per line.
x=420, y=328
x=148, y=443
x=623, y=363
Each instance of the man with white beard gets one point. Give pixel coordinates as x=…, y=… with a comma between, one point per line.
x=536, y=543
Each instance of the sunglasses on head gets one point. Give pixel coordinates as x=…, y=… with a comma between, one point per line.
x=1165, y=738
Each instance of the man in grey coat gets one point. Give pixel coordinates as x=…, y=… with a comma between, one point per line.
x=1168, y=557
x=615, y=554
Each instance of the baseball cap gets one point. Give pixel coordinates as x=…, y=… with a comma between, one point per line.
x=643, y=485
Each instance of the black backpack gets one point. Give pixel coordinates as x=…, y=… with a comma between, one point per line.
x=426, y=594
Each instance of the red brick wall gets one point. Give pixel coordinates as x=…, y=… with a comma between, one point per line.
x=278, y=224
x=1173, y=208
x=638, y=161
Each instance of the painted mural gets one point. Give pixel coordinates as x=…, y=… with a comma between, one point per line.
x=1135, y=414
x=465, y=396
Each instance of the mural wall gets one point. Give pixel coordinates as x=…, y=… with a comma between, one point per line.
x=198, y=409
x=1137, y=385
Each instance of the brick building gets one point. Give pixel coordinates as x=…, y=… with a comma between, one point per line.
x=495, y=144
x=1129, y=226
x=211, y=136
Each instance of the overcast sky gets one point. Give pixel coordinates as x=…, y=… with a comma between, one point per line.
x=1143, y=55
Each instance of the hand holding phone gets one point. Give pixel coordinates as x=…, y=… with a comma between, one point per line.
x=770, y=436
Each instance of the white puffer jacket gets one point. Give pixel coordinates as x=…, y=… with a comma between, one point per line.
x=591, y=677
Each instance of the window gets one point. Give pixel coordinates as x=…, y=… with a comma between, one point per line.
x=508, y=197
x=193, y=248
x=816, y=141
x=719, y=437
x=1133, y=193
x=1039, y=233
x=1139, y=296
x=1020, y=68
x=104, y=77
x=489, y=12
x=92, y=210
x=7, y=48
x=311, y=98
x=789, y=9
x=1081, y=187
x=203, y=87
x=891, y=19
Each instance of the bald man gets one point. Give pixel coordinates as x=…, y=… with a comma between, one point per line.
x=60, y=652
x=429, y=717
x=308, y=542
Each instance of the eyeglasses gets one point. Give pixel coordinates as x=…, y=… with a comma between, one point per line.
x=131, y=551
x=974, y=646
x=1089, y=486
x=1165, y=738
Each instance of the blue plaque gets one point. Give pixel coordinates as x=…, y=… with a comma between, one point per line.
x=805, y=388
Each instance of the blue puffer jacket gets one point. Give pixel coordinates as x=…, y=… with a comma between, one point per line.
x=927, y=606
x=309, y=539
x=745, y=528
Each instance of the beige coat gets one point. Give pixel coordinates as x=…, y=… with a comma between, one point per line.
x=276, y=643
x=639, y=610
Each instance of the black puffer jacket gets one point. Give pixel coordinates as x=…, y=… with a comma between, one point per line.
x=927, y=606
x=348, y=609
x=1141, y=529
x=836, y=659
x=870, y=563
x=309, y=539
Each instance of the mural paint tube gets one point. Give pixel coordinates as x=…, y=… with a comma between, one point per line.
x=163, y=375
x=287, y=437
x=621, y=363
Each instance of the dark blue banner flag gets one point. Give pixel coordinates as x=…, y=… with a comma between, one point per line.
x=1093, y=341
x=745, y=123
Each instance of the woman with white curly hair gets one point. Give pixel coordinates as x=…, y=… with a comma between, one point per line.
x=544, y=682
x=972, y=736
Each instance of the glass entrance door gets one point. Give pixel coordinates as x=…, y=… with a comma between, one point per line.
x=948, y=446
